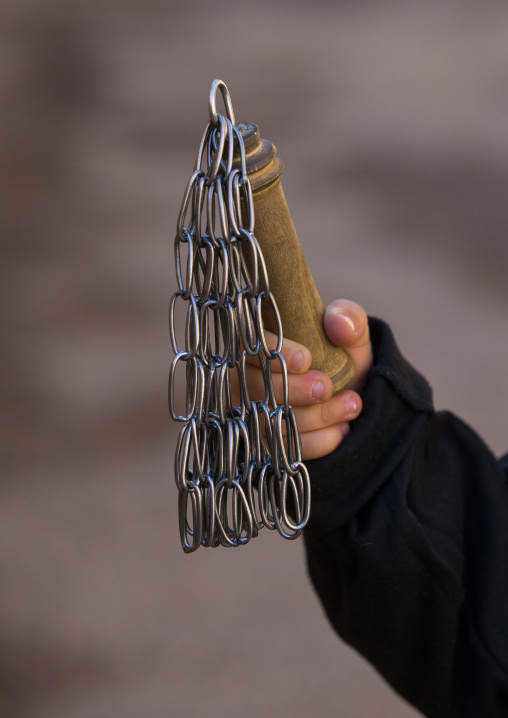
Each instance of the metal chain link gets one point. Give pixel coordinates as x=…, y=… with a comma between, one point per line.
x=233, y=469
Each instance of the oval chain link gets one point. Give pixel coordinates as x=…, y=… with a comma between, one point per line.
x=224, y=452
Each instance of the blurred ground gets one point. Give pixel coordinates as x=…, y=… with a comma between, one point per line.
x=391, y=121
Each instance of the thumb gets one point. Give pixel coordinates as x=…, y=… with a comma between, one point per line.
x=347, y=326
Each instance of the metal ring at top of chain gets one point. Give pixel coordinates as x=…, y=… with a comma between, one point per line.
x=212, y=104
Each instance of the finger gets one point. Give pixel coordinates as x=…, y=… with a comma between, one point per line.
x=341, y=408
x=316, y=444
x=297, y=357
x=347, y=326
x=303, y=389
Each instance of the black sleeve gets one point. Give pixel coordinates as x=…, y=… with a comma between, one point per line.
x=407, y=545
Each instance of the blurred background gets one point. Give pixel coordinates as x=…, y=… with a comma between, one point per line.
x=391, y=119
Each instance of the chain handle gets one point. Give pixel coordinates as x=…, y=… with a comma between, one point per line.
x=233, y=470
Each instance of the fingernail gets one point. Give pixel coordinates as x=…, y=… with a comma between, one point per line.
x=351, y=405
x=297, y=361
x=318, y=390
x=345, y=429
x=348, y=321
x=339, y=312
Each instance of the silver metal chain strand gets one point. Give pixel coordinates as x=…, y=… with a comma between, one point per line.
x=226, y=453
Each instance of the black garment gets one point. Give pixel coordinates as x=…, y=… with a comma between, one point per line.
x=407, y=545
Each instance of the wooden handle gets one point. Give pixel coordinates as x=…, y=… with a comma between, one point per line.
x=291, y=282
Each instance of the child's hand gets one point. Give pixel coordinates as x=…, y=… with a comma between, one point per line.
x=322, y=419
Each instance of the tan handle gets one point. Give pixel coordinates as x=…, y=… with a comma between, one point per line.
x=291, y=282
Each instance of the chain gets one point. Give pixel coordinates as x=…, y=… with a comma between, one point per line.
x=233, y=469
